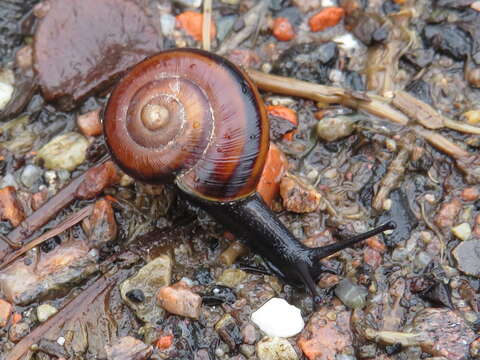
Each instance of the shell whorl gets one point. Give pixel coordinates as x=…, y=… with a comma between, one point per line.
x=192, y=117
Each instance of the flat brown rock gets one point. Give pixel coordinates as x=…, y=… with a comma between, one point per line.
x=80, y=46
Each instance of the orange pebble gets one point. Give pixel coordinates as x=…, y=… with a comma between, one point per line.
x=16, y=318
x=375, y=243
x=282, y=29
x=164, y=342
x=285, y=113
x=192, y=23
x=275, y=167
x=326, y=18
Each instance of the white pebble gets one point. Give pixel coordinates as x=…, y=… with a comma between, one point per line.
x=462, y=231
x=61, y=341
x=167, y=24
x=45, y=311
x=329, y=3
x=347, y=42
x=267, y=318
x=6, y=92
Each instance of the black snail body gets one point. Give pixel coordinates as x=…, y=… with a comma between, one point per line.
x=194, y=118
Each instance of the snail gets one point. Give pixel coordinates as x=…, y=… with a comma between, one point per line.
x=193, y=118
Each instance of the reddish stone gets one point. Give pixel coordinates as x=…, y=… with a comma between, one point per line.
x=97, y=179
x=372, y=257
x=90, y=123
x=298, y=196
x=81, y=46
x=10, y=207
x=448, y=212
x=326, y=18
x=471, y=193
x=282, y=29
x=101, y=226
x=164, y=342
x=5, y=312
x=276, y=165
x=192, y=23
x=180, y=300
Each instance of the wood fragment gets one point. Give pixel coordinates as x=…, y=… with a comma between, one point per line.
x=442, y=143
x=71, y=220
x=207, y=24
x=417, y=110
x=375, y=105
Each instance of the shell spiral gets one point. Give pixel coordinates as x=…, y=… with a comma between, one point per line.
x=191, y=117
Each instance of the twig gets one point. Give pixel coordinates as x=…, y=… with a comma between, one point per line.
x=73, y=219
x=207, y=24
x=375, y=105
x=442, y=143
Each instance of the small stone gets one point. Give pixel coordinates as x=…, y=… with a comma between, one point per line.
x=267, y=318
x=452, y=335
x=282, y=29
x=101, y=226
x=61, y=340
x=6, y=92
x=65, y=151
x=471, y=193
x=467, y=255
x=353, y=296
x=335, y=128
x=30, y=175
x=10, y=207
x=97, y=179
x=147, y=281
x=192, y=23
x=326, y=18
x=249, y=334
x=18, y=331
x=90, y=123
x=247, y=350
x=189, y=3
x=45, y=311
x=298, y=196
x=167, y=24
x=5, y=312
x=448, y=212
x=328, y=280
x=372, y=257
x=180, y=300
x=275, y=348
x=227, y=328
x=232, y=277
x=325, y=338
x=24, y=57
x=128, y=348
x=462, y=231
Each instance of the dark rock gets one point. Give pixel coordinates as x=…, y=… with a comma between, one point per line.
x=136, y=295
x=421, y=90
x=308, y=62
x=449, y=39
x=279, y=127
x=50, y=244
x=203, y=276
x=81, y=46
x=420, y=58
x=228, y=329
x=467, y=255
x=354, y=81
x=389, y=7
x=365, y=29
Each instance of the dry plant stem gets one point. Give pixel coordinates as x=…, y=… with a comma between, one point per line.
x=73, y=219
x=376, y=105
x=46, y=212
x=251, y=20
x=392, y=178
x=442, y=143
x=207, y=24
x=74, y=309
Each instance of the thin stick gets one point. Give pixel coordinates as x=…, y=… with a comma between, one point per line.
x=207, y=24
x=375, y=105
x=73, y=219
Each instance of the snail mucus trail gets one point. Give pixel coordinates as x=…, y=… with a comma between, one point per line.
x=195, y=119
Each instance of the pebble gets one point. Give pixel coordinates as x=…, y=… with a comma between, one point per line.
x=10, y=207
x=45, y=311
x=192, y=23
x=147, y=280
x=18, y=331
x=298, y=196
x=30, y=175
x=189, y=3
x=65, y=151
x=451, y=333
x=97, y=179
x=5, y=312
x=276, y=165
x=249, y=334
x=90, y=123
x=180, y=300
x=228, y=330
x=282, y=29
x=275, y=348
x=232, y=277
x=325, y=338
x=445, y=217
x=24, y=57
x=167, y=24
x=462, y=231
x=290, y=323
x=353, y=296
x=326, y=18
x=224, y=25
x=335, y=128
x=247, y=350
x=128, y=348
x=6, y=93
x=467, y=256
x=101, y=226
x=327, y=281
